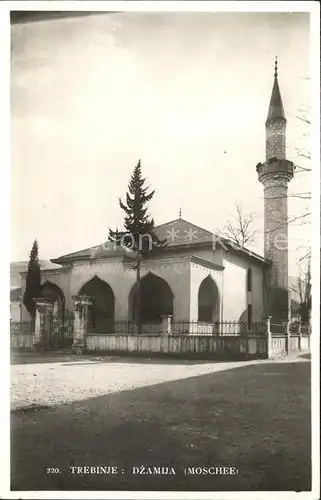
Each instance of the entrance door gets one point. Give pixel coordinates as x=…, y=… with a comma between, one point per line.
x=62, y=331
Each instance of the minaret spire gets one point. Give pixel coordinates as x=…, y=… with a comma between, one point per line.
x=275, y=174
x=276, y=122
x=276, y=110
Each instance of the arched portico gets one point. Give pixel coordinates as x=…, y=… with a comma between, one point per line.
x=156, y=299
x=208, y=301
x=103, y=309
x=51, y=291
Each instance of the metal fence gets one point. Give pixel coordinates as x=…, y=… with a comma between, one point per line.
x=279, y=328
x=20, y=327
x=295, y=327
x=227, y=328
x=62, y=330
x=232, y=328
x=306, y=329
x=21, y=334
x=123, y=327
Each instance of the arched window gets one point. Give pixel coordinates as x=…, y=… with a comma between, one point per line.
x=52, y=291
x=208, y=302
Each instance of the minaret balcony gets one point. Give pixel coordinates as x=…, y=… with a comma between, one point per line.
x=275, y=167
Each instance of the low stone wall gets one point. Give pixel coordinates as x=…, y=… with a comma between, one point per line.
x=305, y=343
x=295, y=343
x=22, y=341
x=179, y=345
x=281, y=345
x=278, y=346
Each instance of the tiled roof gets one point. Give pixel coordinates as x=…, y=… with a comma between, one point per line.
x=15, y=294
x=106, y=249
x=181, y=232
x=22, y=266
x=177, y=233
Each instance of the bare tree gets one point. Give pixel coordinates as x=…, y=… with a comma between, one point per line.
x=302, y=153
x=239, y=229
x=302, y=158
x=302, y=289
x=303, y=166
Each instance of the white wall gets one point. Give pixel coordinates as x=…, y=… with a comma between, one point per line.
x=15, y=312
x=198, y=274
x=258, y=293
x=112, y=272
x=235, y=287
x=182, y=276
x=214, y=256
x=61, y=278
x=25, y=316
x=122, y=277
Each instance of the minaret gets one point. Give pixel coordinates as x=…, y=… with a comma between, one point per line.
x=275, y=174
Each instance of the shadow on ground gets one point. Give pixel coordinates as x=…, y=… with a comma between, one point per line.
x=307, y=355
x=255, y=418
x=73, y=359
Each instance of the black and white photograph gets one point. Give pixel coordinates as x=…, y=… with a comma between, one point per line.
x=164, y=287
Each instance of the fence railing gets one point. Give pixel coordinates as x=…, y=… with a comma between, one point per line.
x=123, y=326
x=192, y=327
x=227, y=328
x=306, y=329
x=279, y=328
x=218, y=328
x=295, y=327
x=242, y=328
x=261, y=338
x=20, y=327
x=233, y=328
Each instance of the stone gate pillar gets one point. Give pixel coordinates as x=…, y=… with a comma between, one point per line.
x=81, y=322
x=166, y=325
x=43, y=324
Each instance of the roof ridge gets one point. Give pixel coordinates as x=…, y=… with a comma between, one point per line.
x=77, y=251
x=187, y=222
x=165, y=223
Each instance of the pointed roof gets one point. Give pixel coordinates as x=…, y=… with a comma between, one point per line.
x=178, y=234
x=106, y=249
x=276, y=109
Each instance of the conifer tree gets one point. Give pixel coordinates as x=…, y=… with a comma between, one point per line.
x=138, y=234
x=33, y=281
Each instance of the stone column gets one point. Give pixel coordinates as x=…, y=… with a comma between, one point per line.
x=309, y=325
x=288, y=337
x=166, y=326
x=82, y=305
x=217, y=328
x=43, y=324
x=300, y=335
x=269, y=337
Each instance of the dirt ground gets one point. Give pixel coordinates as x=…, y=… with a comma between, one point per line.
x=56, y=379
x=253, y=417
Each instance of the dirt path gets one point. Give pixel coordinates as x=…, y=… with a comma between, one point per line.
x=70, y=378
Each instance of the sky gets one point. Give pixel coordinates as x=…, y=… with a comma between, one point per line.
x=187, y=93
